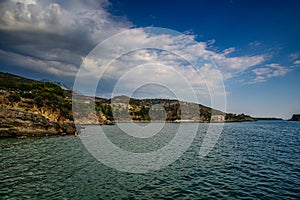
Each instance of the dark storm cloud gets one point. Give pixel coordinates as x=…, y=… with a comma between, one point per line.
x=53, y=36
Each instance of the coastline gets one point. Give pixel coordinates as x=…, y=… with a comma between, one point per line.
x=30, y=108
x=31, y=133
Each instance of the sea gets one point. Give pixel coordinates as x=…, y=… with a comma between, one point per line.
x=249, y=160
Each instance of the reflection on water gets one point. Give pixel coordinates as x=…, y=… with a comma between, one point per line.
x=251, y=160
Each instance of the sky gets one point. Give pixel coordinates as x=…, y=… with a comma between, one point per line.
x=246, y=53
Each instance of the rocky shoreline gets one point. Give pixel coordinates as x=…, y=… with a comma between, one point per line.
x=295, y=117
x=30, y=108
x=15, y=122
x=19, y=123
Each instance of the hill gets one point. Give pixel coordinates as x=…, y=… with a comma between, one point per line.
x=31, y=108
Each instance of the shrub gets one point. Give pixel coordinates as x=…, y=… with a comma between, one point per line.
x=14, y=97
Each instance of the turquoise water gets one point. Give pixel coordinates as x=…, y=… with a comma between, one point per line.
x=257, y=160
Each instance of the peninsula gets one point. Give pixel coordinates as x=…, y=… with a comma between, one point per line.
x=34, y=108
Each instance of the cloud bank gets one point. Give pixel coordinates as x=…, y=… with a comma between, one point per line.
x=54, y=37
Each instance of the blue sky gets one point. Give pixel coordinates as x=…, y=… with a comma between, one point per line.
x=49, y=39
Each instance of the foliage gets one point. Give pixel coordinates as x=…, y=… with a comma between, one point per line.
x=53, y=97
x=14, y=97
x=105, y=108
x=45, y=94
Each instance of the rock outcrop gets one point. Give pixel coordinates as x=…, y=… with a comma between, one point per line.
x=295, y=117
x=34, y=108
x=19, y=123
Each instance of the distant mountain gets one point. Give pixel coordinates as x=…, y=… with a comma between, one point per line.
x=268, y=118
x=30, y=107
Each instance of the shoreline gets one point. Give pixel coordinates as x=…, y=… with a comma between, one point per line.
x=45, y=133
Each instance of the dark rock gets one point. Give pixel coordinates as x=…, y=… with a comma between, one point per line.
x=68, y=128
x=19, y=123
x=295, y=117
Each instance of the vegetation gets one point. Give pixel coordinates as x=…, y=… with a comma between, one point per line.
x=37, y=96
x=230, y=117
x=41, y=94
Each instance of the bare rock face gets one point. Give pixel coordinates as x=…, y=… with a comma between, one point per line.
x=295, y=117
x=18, y=123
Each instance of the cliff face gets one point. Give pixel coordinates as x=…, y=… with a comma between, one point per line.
x=295, y=117
x=34, y=108
x=164, y=109
x=30, y=107
x=18, y=123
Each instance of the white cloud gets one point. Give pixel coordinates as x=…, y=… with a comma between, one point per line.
x=274, y=65
x=294, y=56
x=33, y=17
x=238, y=63
x=297, y=62
x=228, y=51
x=54, y=36
x=25, y=1
x=269, y=71
x=183, y=46
x=233, y=66
x=64, y=32
x=262, y=71
x=254, y=43
x=123, y=53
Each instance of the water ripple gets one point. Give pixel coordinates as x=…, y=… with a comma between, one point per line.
x=250, y=161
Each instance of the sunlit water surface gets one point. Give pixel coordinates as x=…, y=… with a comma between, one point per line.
x=257, y=160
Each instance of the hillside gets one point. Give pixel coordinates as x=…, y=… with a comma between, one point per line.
x=32, y=108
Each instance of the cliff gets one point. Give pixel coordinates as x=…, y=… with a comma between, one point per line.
x=18, y=123
x=295, y=117
x=32, y=108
